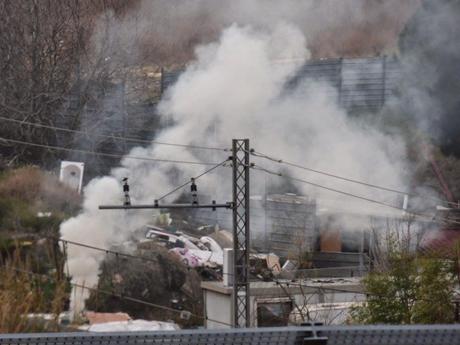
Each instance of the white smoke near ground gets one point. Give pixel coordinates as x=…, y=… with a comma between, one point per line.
x=236, y=88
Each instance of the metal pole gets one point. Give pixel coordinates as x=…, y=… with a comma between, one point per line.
x=241, y=305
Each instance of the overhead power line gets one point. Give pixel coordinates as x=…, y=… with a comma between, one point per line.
x=338, y=289
x=103, y=250
x=143, y=258
x=131, y=256
x=377, y=202
x=104, y=154
x=126, y=255
x=114, y=294
x=194, y=178
x=113, y=137
x=346, y=179
x=147, y=259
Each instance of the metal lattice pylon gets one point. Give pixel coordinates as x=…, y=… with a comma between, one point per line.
x=241, y=304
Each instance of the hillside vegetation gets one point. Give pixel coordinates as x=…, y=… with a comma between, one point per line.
x=33, y=202
x=32, y=205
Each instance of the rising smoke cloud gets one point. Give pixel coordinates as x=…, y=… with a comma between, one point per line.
x=236, y=88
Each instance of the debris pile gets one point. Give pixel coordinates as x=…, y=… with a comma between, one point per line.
x=205, y=253
x=193, y=252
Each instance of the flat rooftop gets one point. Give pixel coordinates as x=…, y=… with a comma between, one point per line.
x=304, y=286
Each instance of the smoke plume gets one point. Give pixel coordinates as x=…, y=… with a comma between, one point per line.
x=235, y=87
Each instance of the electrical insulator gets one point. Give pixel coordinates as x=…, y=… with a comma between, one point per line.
x=194, y=191
x=126, y=192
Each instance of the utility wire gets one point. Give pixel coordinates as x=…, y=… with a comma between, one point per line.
x=130, y=256
x=143, y=302
x=367, y=293
x=301, y=283
x=104, y=154
x=371, y=185
x=135, y=140
x=104, y=250
x=114, y=294
x=279, y=174
x=195, y=178
x=154, y=305
x=318, y=287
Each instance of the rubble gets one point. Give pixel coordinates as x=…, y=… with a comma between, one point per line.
x=206, y=252
x=193, y=252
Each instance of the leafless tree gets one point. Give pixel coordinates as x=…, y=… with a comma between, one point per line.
x=51, y=64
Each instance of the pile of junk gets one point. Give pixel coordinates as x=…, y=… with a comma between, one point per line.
x=203, y=250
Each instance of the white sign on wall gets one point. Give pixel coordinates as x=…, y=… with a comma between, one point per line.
x=72, y=174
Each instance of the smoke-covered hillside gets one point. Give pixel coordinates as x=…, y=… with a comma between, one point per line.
x=431, y=57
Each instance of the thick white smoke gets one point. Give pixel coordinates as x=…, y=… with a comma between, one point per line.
x=236, y=88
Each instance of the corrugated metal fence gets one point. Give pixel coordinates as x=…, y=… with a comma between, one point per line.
x=362, y=84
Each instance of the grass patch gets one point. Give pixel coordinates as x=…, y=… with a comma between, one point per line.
x=23, y=294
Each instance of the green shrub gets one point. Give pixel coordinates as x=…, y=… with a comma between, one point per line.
x=411, y=290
